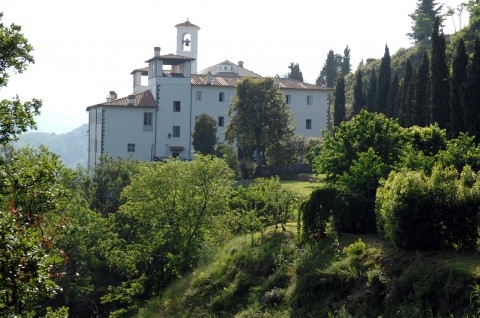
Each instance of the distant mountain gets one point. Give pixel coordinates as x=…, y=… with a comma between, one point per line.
x=71, y=146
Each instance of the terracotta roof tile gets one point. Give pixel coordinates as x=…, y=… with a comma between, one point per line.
x=231, y=81
x=144, y=99
x=287, y=83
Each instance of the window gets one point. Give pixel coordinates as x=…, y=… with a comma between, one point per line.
x=147, y=121
x=131, y=148
x=176, y=131
x=147, y=118
x=221, y=97
x=309, y=100
x=198, y=95
x=220, y=121
x=288, y=99
x=308, y=124
x=176, y=106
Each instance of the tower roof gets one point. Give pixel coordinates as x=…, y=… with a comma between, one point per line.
x=187, y=24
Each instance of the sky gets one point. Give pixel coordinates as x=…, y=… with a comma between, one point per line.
x=85, y=48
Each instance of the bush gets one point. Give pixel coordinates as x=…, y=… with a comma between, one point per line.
x=315, y=213
x=419, y=212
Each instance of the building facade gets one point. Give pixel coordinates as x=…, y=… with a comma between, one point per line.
x=157, y=120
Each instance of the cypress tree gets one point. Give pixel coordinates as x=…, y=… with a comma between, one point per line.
x=372, y=91
x=346, y=61
x=358, y=94
x=440, y=85
x=383, y=85
x=392, y=99
x=339, y=110
x=459, y=79
x=472, y=95
x=422, y=92
x=405, y=111
x=330, y=69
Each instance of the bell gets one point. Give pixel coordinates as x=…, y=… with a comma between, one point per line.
x=187, y=42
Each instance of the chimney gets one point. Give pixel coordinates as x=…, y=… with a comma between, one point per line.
x=131, y=100
x=240, y=63
x=113, y=95
x=276, y=80
x=156, y=51
x=209, y=78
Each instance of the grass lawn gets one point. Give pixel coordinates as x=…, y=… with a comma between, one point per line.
x=302, y=187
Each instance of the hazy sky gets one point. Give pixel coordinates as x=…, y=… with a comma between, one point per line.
x=86, y=48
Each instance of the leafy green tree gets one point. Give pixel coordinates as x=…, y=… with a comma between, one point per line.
x=423, y=19
x=227, y=152
x=205, y=134
x=295, y=72
x=372, y=91
x=458, y=82
x=258, y=115
x=15, y=55
x=422, y=108
x=383, y=85
x=358, y=93
x=172, y=211
x=28, y=194
x=339, y=114
x=109, y=179
x=472, y=94
x=440, y=92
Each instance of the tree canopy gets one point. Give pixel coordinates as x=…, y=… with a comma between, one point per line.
x=295, y=72
x=205, y=134
x=259, y=116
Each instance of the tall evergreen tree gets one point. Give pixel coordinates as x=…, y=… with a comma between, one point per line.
x=372, y=89
x=383, y=85
x=331, y=70
x=423, y=19
x=472, y=95
x=459, y=79
x=346, y=67
x=405, y=111
x=422, y=92
x=440, y=80
x=358, y=94
x=295, y=72
x=392, y=99
x=339, y=109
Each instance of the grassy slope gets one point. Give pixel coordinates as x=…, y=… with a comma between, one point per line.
x=270, y=276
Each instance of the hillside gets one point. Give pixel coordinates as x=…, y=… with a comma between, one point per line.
x=273, y=277
x=71, y=146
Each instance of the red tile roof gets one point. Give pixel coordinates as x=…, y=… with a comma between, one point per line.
x=144, y=99
x=231, y=81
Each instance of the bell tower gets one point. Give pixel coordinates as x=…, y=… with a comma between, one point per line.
x=187, y=41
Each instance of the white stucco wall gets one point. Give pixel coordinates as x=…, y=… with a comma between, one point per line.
x=174, y=89
x=301, y=111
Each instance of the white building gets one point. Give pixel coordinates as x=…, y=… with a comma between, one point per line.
x=157, y=120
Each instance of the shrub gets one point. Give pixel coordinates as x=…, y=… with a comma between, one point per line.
x=315, y=213
x=419, y=212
